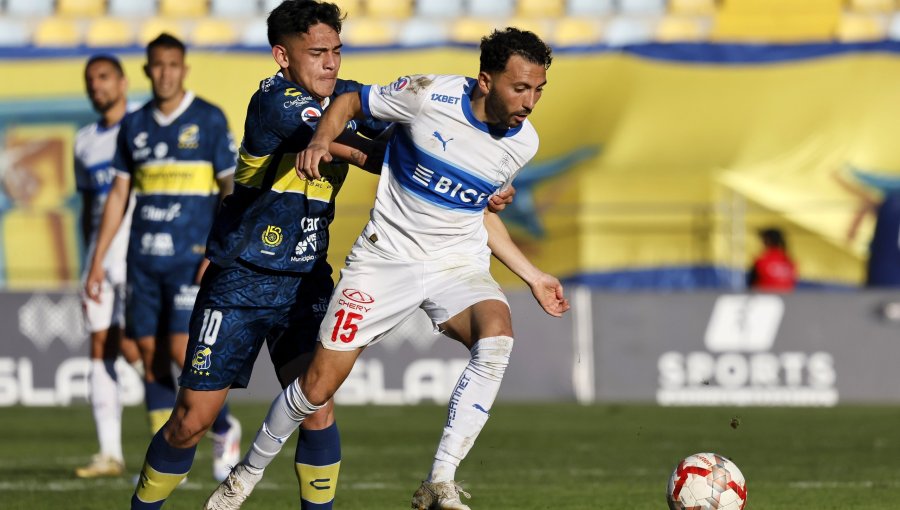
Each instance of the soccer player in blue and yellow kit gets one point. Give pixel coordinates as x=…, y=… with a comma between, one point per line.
x=176, y=155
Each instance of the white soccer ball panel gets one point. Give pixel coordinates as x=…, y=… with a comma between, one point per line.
x=706, y=481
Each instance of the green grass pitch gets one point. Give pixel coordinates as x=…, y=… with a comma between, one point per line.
x=559, y=456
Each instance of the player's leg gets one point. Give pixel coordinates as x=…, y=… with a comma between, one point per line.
x=103, y=387
x=180, y=293
x=485, y=327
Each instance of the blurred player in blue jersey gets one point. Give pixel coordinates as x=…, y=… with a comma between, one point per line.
x=177, y=157
x=427, y=246
x=95, y=145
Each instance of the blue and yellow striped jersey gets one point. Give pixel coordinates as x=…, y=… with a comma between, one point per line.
x=276, y=219
x=173, y=162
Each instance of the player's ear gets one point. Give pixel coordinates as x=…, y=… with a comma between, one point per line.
x=484, y=82
x=279, y=53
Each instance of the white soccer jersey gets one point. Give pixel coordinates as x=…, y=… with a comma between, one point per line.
x=95, y=146
x=441, y=167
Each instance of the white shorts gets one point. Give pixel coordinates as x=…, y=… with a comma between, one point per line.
x=377, y=292
x=109, y=311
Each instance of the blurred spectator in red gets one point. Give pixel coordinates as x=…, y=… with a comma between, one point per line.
x=773, y=270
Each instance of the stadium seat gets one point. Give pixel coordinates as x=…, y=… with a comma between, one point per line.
x=673, y=29
x=57, y=32
x=397, y=9
x=626, y=30
x=108, y=31
x=590, y=7
x=871, y=6
x=574, y=31
x=233, y=9
x=439, y=8
x=132, y=8
x=29, y=8
x=254, y=33
x=540, y=8
x=214, y=32
x=369, y=32
x=782, y=7
x=861, y=27
x=418, y=31
x=471, y=30
x=81, y=8
x=692, y=7
x=182, y=8
x=491, y=9
x=893, y=27
x=540, y=27
x=779, y=28
x=14, y=33
x=642, y=7
x=151, y=28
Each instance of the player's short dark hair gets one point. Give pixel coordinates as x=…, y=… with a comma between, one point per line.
x=105, y=57
x=502, y=44
x=165, y=40
x=294, y=17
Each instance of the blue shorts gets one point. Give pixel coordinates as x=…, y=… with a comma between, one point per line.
x=239, y=307
x=159, y=300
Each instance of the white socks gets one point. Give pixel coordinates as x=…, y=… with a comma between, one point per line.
x=104, y=391
x=286, y=414
x=470, y=403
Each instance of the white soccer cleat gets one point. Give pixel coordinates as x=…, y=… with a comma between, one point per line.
x=231, y=493
x=101, y=466
x=226, y=449
x=439, y=496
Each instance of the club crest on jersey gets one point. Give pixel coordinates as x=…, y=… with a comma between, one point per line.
x=189, y=136
x=272, y=236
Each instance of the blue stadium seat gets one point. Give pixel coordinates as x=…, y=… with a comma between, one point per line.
x=419, y=30
x=132, y=8
x=590, y=7
x=439, y=8
x=642, y=7
x=492, y=8
x=234, y=8
x=626, y=30
x=26, y=8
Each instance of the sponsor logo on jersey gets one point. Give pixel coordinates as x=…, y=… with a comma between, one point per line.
x=442, y=98
x=358, y=296
x=271, y=236
x=159, y=244
x=161, y=214
x=308, y=244
x=160, y=150
x=400, y=84
x=189, y=136
x=310, y=116
x=201, y=360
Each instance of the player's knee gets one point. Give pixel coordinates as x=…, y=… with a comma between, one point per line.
x=321, y=419
x=490, y=356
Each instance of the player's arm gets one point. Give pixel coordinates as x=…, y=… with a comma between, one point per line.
x=113, y=212
x=343, y=109
x=87, y=206
x=546, y=288
x=358, y=150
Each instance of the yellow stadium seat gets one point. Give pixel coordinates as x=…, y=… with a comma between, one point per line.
x=692, y=7
x=155, y=26
x=369, y=32
x=471, y=30
x=399, y=9
x=681, y=29
x=214, y=32
x=56, y=32
x=109, y=32
x=350, y=7
x=81, y=8
x=538, y=26
x=780, y=28
x=871, y=6
x=182, y=8
x=576, y=32
x=540, y=8
x=861, y=27
x=784, y=7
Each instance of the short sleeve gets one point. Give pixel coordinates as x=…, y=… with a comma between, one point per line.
x=399, y=101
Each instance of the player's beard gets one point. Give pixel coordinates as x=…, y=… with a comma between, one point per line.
x=497, y=110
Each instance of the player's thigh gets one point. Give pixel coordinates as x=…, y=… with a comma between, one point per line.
x=143, y=302
x=235, y=311
x=372, y=297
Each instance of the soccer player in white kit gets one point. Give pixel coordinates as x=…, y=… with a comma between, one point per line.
x=427, y=245
x=95, y=145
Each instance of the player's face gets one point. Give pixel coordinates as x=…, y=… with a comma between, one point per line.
x=105, y=85
x=313, y=59
x=166, y=70
x=514, y=92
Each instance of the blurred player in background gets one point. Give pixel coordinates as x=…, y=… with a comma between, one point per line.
x=773, y=270
x=177, y=156
x=427, y=245
x=95, y=145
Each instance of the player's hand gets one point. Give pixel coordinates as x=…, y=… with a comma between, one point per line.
x=308, y=159
x=549, y=293
x=94, y=281
x=501, y=199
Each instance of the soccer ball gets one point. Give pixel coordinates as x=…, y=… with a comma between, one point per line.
x=706, y=481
